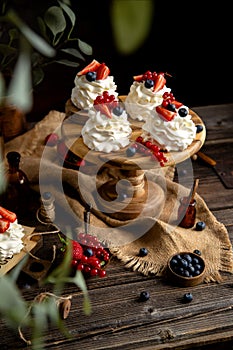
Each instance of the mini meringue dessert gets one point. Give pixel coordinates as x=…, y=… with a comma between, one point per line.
x=146, y=92
x=11, y=235
x=107, y=128
x=170, y=125
x=90, y=82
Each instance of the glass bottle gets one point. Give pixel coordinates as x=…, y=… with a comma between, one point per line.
x=17, y=194
x=187, y=213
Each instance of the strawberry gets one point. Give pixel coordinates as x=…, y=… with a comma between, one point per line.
x=7, y=214
x=102, y=72
x=165, y=113
x=51, y=139
x=91, y=67
x=103, y=108
x=4, y=225
x=138, y=77
x=177, y=104
x=160, y=81
x=77, y=250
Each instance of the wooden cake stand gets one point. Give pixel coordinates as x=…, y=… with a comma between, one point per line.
x=129, y=193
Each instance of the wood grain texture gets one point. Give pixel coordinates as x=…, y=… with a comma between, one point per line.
x=119, y=320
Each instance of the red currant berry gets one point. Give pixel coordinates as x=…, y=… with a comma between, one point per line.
x=102, y=273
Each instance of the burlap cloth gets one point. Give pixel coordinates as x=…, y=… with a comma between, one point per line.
x=160, y=235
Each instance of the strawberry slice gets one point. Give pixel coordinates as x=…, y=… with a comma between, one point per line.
x=102, y=72
x=160, y=81
x=165, y=113
x=103, y=108
x=4, y=225
x=91, y=67
x=138, y=77
x=177, y=103
x=7, y=214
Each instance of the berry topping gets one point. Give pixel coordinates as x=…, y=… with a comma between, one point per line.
x=7, y=214
x=91, y=67
x=171, y=107
x=118, y=110
x=159, y=82
x=182, y=112
x=144, y=296
x=199, y=128
x=143, y=252
x=187, y=297
x=102, y=72
x=200, y=225
x=105, y=103
x=149, y=83
x=165, y=113
x=91, y=76
x=4, y=225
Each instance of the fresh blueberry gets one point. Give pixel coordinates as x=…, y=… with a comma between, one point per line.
x=91, y=76
x=143, y=252
x=118, y=110
x=200, y=225
x=187, y=297
x=199, y=128
x=182, y=112
x=171, y=107
x=130, y=152
x=197, y=251
x=144, y=296
x=149, y=83
x=88, y=252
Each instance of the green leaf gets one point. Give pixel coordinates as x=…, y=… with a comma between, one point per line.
x=55, y=20
x=37, y=76
x=131, y=22
x=2, y=89
x=69, y=12
x=13, y=34
x=34, y=39
x=20, y=88
x=12, y=306
x=73, y=52
x=80, y=282
x=7, y=50
x=67, y=63
x=84, y=47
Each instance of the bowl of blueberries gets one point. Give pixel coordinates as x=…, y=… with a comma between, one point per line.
x=186, y=269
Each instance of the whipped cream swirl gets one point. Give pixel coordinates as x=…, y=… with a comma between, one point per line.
x=11, y=241
x=85, y=92
x=174, y=135
x=141, y=101
x=104, y=134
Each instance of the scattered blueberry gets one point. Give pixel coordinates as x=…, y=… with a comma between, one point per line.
x=182, y=112
x=46, y=195
x=144, y=296
x=199, y=128
x=130, y=152
x=187, y=297
x=149, y=83
x=197, y=251
x=200, y=225
x=91, y=76
x=143, y=252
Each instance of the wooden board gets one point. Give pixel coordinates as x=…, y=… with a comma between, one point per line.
x=29, y=245
x=71, y=131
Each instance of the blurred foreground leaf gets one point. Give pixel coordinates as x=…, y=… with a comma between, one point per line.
x=131, y=22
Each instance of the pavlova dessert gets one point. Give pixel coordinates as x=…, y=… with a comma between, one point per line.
x=90, y=82
x=107, y=128
x=169, y=125
x=146, y=92
x=11, y=235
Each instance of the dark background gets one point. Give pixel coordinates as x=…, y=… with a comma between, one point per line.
x=191, y=40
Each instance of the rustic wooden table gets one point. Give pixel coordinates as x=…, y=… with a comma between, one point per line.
x=118, y=320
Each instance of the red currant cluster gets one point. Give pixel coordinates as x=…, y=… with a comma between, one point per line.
x=168, y=98
x=149, y=75
x=89, y=256
x=105, y=103
x=150, y=149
